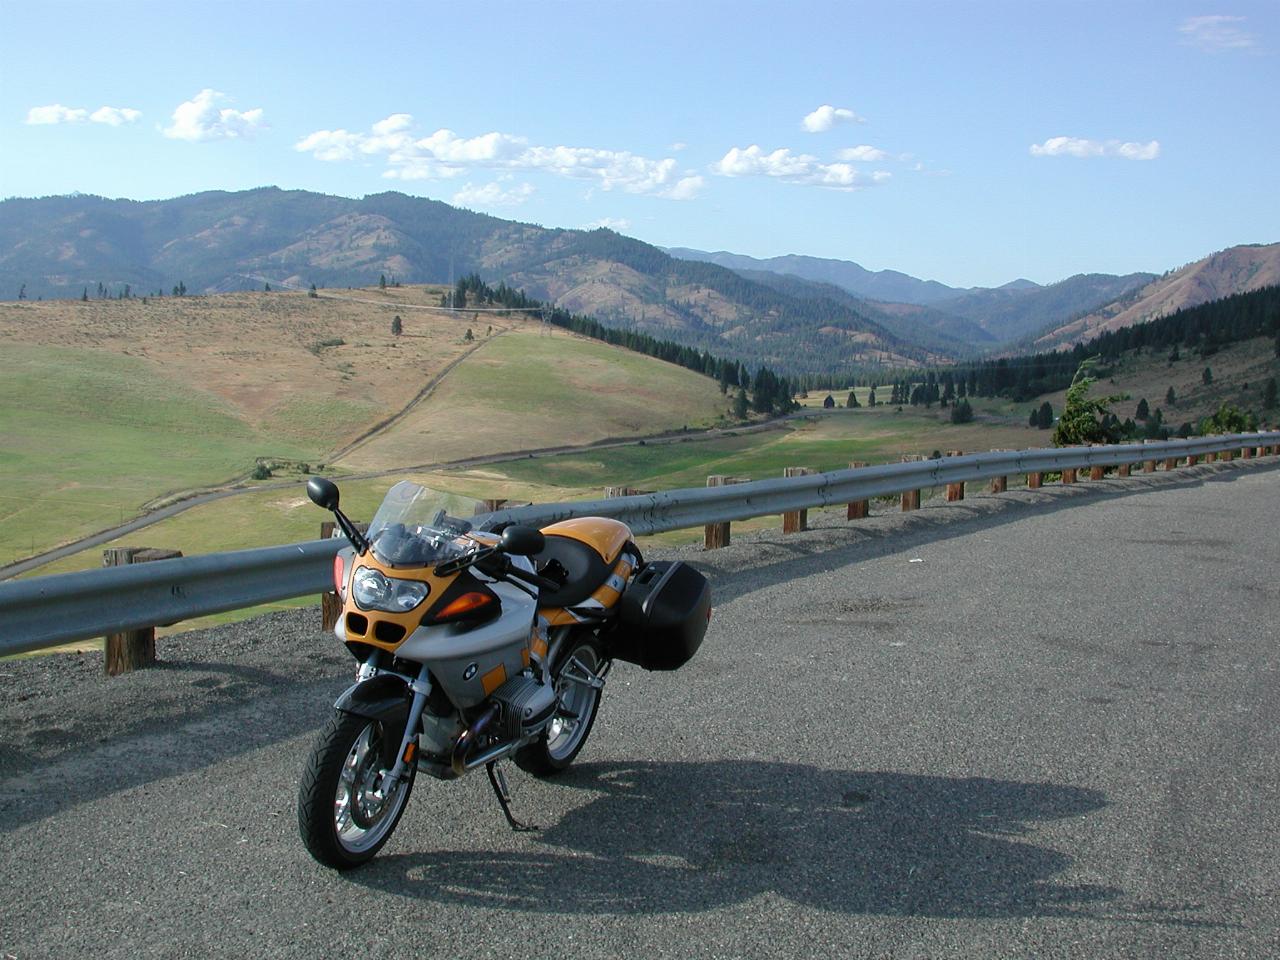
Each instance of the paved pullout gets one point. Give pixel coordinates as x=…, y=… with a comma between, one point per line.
x=1041, y=724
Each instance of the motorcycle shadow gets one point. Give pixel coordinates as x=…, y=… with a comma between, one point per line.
x=676, y=837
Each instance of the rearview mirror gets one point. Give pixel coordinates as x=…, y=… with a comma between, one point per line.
x=522, y=541
x=323, y=493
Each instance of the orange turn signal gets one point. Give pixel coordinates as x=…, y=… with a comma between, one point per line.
x=464, y=605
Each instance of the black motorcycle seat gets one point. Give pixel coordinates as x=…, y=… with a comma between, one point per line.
x=586, y=571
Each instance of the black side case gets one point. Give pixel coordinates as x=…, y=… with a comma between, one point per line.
x=662, y=617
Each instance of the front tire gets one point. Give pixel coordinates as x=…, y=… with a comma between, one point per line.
x=579, y=702
x=342, y=820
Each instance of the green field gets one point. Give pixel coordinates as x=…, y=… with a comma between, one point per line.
x=87, y=437
x=826, y=443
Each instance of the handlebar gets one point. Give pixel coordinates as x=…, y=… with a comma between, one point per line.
x=496, y=564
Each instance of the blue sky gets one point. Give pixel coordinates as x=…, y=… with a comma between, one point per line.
x=971, y=143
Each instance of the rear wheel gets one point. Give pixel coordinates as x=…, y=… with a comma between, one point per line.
x=343, y=818
x=578, y=675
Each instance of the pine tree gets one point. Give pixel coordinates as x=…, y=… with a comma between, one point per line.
x=382, y=282
x=469, y=336
x=1044, y=416
x=397, y=327
x=740, y=405
x=1269, y=394
x=1143, y=410
x=85, y=296
x=1170, y=397
x=871, y=398
x=312, y=291
x=1207, y=376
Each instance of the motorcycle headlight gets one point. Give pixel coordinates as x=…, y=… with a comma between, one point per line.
x=373, y=590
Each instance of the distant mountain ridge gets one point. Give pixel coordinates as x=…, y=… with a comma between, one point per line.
x=220, y=241
x=1003, y=314
x=888, y=285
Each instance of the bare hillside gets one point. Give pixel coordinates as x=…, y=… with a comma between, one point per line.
x=1234, y=270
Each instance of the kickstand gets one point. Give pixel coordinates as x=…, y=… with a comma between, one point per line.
x=499, y=784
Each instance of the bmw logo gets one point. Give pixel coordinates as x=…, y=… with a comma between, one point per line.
x=470, y=672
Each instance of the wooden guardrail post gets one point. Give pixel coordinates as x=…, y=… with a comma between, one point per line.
x=911, y=498
x=1034, y=480
x=716, y=535
x=1246, y=453
x=858, y=509
x=1148, y=466
x=1210, y=457
x=1192, y=459
x=133, y=649
x=1124, y=470
x=999, y=484
x=1068, y=474
x=955, y=491
x=1097, y=472
x=1226, y=456
x=793, y=521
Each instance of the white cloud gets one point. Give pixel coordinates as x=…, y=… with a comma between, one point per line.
x=115, y=116
x=56, y=113
x=827, y=116
x=445, y=154
x=863, y=154
x=1079, y=147
x=1139, y=151
x=330, y=144
x=609, y=223
x=492, y=195
x=793, y=168
x=201, y=119
x=1216, y=33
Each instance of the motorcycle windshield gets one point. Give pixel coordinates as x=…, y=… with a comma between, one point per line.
x=417, y=526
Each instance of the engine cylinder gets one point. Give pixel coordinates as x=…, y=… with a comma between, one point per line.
x=527, y=706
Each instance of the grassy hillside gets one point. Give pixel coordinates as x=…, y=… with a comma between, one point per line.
x=1239, y=373
x=531, y=389
x=107, y=406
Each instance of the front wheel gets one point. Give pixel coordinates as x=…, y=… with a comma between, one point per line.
x=343, y=818
x=578, y=675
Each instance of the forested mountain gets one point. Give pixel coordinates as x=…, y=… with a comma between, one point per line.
x=1234, y=270
x=1200, y=331
x=945, y=333
x=888, y=285
x=1013, y=311
x=1003, y=314
x=81, y=246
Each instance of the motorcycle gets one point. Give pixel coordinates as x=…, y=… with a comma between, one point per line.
x=476, y=646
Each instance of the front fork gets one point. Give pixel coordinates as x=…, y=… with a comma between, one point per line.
x=408, y=751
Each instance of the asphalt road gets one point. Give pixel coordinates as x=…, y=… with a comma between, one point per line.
x=1041, y=724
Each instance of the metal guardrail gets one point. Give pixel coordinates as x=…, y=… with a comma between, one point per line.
x=47, y=611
